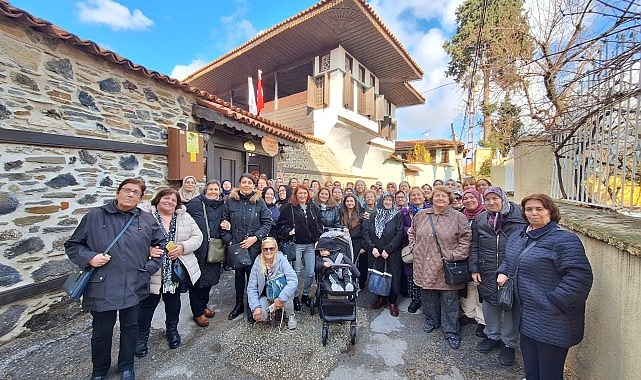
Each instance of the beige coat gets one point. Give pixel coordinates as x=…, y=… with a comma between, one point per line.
x=189, y=235
x=454, y=235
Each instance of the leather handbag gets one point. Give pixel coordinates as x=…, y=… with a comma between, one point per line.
x=216, y=247
x=238, y=257
x=288, y=248
x=378, y=282
x=179, y=272
x=78, y=280
x=406, y=255
x=456, y=272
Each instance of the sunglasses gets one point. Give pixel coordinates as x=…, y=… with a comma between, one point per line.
x=269, y=249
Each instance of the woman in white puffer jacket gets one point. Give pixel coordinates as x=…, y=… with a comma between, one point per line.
x=181, y=229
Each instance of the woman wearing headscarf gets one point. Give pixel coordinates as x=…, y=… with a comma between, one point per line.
x=246, y=221
x=189, y=190
x=490, y=232
x=442, y=224
x=226, y=187
x=470, y=303
x=383, y=236
x=416, y=204
x=283, y=196
x=206, y=209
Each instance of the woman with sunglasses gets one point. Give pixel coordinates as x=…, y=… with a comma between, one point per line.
x=271, y=263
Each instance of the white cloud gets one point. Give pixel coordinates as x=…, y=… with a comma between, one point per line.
x=422, y=26
x=182, y=71
x=236, y=29
x=112, y=14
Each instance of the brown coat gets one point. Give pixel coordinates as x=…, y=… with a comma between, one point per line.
x=454, y=235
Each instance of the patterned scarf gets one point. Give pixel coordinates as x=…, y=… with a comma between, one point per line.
x=471, y=214
x=168, y=286
x=496, y=219
x=383, y=215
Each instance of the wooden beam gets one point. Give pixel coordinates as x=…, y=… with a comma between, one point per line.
x=12, y=136
x=31, y=290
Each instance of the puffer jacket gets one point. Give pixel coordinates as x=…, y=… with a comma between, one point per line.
x=488, y=249
x=330, y=216
x=124, y=281
x=454, y=236
x=552, y=284
x=257, y=282
x=249, y=216
x=210, y=272
x=188, y=234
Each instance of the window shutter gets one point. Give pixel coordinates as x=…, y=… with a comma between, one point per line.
x=381, y=105
x=370, y=103
x=348, y=91
x=311, y=92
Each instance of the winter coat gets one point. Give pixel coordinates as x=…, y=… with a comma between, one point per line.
x=248, y=216
x=257, y=283
x=275, y=213
x=307, y=223
x=188, y=234
x=488, y=249
x=210, y=272
x=552, y=284
x=454, y=236
x=390, y=241
x=124, y=281
x=330, y=216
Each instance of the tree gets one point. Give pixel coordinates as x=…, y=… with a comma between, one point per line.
x=506, y=128
x=490, y=39
x=419, y=154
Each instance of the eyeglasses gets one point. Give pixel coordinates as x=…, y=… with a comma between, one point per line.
x=458, y=198
x=128, y=191
x=269, y=249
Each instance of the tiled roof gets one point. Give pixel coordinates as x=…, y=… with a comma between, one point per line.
x=25, y=18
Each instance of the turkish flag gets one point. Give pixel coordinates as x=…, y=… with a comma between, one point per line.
x=260, y=101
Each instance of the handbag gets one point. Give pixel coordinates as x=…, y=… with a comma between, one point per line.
x=288, y=248
x=456, y=272
x=179, y=272
x=274, y=286
x=379, y=283
x=238, y=257
x=506, y=291
x=406, y=255
x=78, y=280
x=216, y=247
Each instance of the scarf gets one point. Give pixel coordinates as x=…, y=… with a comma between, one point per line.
x=225, y=193
x=383, y=215
x=472, y=214
x=168, y=286
x=496, y=219
x=185, y=195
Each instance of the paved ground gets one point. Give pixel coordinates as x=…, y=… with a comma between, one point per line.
x=57, y=347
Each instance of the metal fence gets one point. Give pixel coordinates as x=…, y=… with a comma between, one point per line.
x=599, y=163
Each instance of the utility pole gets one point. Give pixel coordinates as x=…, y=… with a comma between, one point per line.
x=458, y=160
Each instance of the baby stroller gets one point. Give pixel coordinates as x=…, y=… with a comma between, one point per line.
x=336, y=306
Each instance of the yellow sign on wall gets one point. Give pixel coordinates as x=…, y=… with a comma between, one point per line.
x=193, y=145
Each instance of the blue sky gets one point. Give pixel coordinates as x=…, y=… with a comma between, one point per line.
x=176, y=37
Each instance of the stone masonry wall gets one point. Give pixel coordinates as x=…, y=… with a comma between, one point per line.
x=49, y=87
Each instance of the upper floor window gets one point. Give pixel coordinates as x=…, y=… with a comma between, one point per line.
x=361, y=74
x=325, y=63
x=445, y=156
x=372, y=80
x=349, y=63
x=432, y=156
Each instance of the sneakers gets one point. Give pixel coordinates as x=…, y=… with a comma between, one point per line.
x=506, y=355
x=428, y=328
x=455, y=343
x=291, y=321
x=487, y=345
x=337, y=288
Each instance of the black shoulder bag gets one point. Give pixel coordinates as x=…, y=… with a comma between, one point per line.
x=238, y=257
x=456, y=272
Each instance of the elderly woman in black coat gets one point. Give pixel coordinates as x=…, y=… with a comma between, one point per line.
x=246, y=221
x=383, y=237
x=552, y=280
x=490, y=231
x=206, y=209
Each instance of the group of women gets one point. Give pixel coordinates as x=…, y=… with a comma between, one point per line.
x=470, y=220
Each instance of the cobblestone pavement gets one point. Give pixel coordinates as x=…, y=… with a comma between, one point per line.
x=57, y=347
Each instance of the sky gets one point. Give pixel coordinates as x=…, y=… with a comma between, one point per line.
x=177, y=37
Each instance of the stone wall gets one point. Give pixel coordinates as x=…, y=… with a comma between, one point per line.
x=62, y=91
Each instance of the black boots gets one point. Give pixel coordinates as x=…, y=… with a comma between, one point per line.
x=239, y=308
x=173, y=338
x=141, y=344
x=296, y=304
x=305, y=301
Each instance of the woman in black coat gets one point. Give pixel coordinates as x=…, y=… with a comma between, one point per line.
x=301, y=218
x=383, y=236
x=246, y=221
x=206, y=209
x=351, y=214
x=330, y=217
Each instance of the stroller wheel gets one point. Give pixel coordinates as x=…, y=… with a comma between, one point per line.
x=312, y=306
x=325, y=334
x=352, y=334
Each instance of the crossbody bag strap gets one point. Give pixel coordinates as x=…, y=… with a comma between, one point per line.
x=518, y=258
x=122, y=232
x=206, y=221
x=440, y=251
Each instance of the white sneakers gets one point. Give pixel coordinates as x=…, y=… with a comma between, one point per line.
x=349, y=287
x=291, y=321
